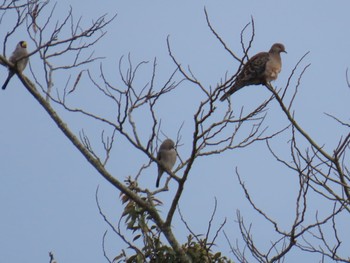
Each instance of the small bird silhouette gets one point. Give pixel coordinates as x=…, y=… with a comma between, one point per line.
x=19, y=59
x=260, y=69
x=166, y=156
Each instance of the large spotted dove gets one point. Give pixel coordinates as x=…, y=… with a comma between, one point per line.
x=260, y=69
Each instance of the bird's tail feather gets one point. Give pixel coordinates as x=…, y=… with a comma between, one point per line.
x=232, y=90
x=160, y=172
x=225, y=96
x=7, y=80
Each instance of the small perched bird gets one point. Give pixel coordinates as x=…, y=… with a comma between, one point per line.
x=260, y=69
x=19, y=59
x=166, y=156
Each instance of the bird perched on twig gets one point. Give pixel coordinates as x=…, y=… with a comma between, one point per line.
x=166, y=156
x=260, y=69
x=19, y=59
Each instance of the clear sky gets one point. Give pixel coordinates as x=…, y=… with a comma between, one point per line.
x=47, y=189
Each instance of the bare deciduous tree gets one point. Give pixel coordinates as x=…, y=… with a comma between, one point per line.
x=317, y=171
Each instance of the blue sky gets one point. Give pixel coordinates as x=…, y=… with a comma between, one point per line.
x=47, y=190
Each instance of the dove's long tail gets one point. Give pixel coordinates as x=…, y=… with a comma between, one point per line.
x=232, y=90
